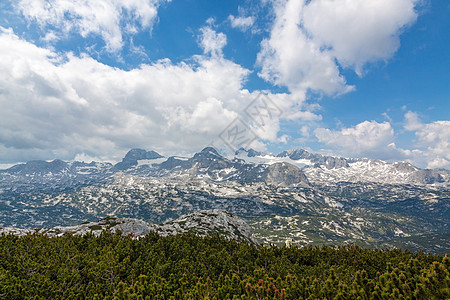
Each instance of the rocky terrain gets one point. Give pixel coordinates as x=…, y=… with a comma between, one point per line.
x=202, y=223
x=295, y=195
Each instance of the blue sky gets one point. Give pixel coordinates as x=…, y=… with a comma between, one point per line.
x=90, y=79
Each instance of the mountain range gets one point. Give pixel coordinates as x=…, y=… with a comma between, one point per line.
x=295, y=195
x=244, y=166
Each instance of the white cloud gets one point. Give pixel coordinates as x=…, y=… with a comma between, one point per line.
x=412, y=121
x=242, y=23
x=377, y=140
x=432, y=139
x=368, y=138
x=194, y=120
x=106, y=18
x=359, y=31
x=289, y=58
x=50, y=36
x=63, y=106
x=309, y=38
x=305, y=131
x=304, y=116
x=435, y=138
x=212, y=42
x=56, y=105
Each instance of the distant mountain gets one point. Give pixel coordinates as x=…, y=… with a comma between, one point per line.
x=208, y=164
x=324, y=169
x=202, y=223
x=316, y=160
x=244, y=166
x=285, y=174
x=56, y=167
x=249, y=152
x=56, y=175
x=39, y=167
x=133, y=156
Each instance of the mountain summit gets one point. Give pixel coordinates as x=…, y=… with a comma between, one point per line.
x=132, y=157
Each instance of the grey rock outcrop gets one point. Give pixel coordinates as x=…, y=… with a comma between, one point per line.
x=201, y=223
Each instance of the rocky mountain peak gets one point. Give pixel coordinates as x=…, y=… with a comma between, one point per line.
x=208, y=160
x=286, y=174
x=208, y=154
x=138, y=154
x=39, y=167
x=250, y=152
x=295, y=154
x=404, y=166
x=209, y=151
x=132, y=157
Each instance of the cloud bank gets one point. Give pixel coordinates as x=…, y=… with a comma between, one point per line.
x=64, y=105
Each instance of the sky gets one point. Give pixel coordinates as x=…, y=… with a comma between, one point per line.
x=90, y=79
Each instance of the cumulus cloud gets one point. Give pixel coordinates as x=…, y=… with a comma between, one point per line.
x=412, y=121
x=432, y=139
x=56, y=105
x=368, y=138
x=289, y=58
x=242, y=23
x=377, y=140
x=109, y=19
x=356, y=31
x=435, y=138
x=194, y=120
x=212, y=42
x=310, y=39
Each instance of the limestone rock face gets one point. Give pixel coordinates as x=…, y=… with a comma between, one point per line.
x=202, y=223
x=132, y=157
x=286, y=174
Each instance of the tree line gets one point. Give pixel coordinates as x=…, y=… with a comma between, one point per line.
x=186, y=266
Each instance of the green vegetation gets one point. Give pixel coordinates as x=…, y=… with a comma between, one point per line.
x=95, y=227
x=186, y=266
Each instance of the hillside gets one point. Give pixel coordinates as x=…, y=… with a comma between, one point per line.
x=201, y=223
